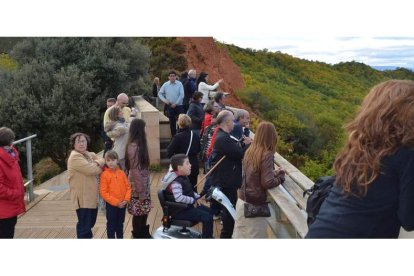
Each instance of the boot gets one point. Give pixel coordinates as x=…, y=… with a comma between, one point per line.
x=134, y=235
x=146, y=234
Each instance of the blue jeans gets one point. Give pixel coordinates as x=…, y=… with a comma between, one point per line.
x=86, y=221
x=115, y=217
x=201, y=214
x=172, y=114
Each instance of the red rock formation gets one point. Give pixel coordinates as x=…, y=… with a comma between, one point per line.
x=203, y=54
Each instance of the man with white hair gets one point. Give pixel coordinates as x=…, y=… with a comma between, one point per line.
x=241, y=124
x=189, y=88
x=228, y=174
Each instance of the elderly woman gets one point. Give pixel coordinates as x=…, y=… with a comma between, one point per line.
x=187, y=142
x=11, y=185
x=84, y=168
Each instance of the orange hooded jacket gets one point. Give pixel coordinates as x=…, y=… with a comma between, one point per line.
x=114, y=186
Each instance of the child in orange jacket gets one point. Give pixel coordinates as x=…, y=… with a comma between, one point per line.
x=116, y=191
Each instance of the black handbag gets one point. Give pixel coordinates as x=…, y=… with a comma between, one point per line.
x=252, y=210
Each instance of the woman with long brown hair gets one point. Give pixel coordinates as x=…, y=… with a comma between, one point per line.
x=374, y=190
x=259, y=175
x=137, y=163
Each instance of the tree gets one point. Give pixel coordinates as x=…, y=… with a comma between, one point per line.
x=61, y=84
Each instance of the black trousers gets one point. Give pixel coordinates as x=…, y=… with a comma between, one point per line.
x=228, y=221
x=172, y=114
x=7, y=226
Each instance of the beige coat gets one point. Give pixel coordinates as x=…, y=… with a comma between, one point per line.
x=83, y=179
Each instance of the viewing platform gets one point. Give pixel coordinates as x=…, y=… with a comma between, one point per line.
x=51, y=214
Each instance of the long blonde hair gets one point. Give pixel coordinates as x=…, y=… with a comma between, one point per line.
x=384, y=123
x=265, y=140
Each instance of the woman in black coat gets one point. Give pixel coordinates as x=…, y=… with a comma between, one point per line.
x=180, y=143
x=196, y=112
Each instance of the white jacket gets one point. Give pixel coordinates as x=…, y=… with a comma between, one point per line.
x=205, y=89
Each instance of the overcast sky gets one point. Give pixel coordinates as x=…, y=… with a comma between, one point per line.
x=374, y=51
x=377, y=33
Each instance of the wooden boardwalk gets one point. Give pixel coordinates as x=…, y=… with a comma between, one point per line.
x=51, y=216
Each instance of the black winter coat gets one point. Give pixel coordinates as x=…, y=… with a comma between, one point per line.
x=179, y=144
x=228, y=173
x=196, y=113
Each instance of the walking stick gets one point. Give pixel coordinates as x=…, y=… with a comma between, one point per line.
x=212, y=169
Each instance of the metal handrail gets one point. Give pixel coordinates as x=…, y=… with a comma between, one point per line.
x=30, y=179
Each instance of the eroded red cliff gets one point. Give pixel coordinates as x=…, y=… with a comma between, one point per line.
x=203, y=54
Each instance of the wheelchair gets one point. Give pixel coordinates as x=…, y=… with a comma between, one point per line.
x=181, y=229
x=174, y=228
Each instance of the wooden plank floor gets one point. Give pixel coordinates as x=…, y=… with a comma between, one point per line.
x=52, y=216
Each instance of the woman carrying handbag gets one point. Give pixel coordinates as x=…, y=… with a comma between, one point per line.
x=137, y=164
x=187, y=142
x=259, y=175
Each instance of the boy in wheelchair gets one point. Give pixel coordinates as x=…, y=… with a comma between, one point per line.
x=179, y=189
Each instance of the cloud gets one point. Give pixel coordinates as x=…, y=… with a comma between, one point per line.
x=374, y=51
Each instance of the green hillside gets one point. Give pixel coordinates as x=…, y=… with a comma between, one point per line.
x=309, y=102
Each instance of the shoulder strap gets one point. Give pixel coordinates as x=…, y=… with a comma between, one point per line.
x=191, y=141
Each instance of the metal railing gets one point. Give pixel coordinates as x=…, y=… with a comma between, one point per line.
x=29, y=182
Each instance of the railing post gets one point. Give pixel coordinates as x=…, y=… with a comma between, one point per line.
x=29, y=168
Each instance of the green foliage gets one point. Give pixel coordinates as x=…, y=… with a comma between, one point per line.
x=308, y=102
x=155, y=168
x=61, y=85
x=6, y=63
x=44, y=170
x=7, y=43
x=167, y=54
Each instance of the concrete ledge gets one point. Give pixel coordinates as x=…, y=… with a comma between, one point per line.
x=151, y=116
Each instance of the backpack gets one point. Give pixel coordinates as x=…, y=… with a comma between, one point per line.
x=317, y=194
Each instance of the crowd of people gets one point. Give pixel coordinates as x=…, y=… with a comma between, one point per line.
x=374, y=171
x=207, y=132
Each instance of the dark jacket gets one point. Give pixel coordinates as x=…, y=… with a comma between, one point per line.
x=196, y=113
x=11, y=185
x=387, y=206
x=255, y=184
x=189, y=89
x=179, y=144
x=237, y=130
x=228, y=174
x=187, y=191
x=155, y=89
x=181, y=141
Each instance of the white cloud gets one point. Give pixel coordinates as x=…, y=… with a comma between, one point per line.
x=378, y=51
